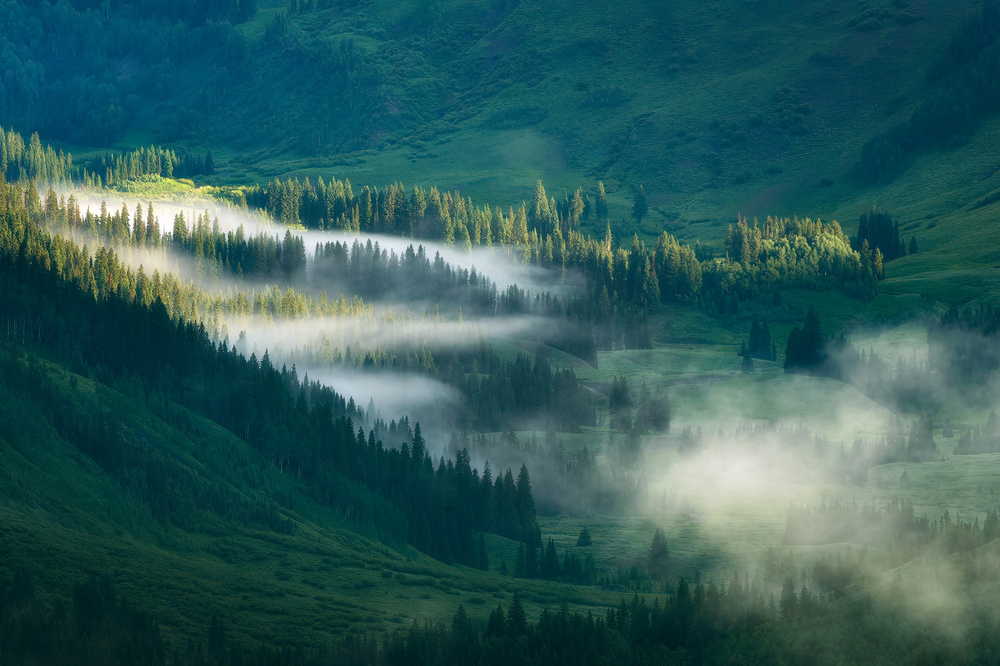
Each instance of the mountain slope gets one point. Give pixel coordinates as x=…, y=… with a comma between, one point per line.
x=753, y=107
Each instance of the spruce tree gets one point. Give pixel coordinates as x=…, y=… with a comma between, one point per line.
x=640, y=206
x=658, y=559
x=601, y=203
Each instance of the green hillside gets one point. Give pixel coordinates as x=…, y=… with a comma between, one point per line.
x=751, y=431
x=742, y=107
x=65, y=518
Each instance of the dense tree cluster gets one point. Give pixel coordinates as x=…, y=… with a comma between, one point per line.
x=896, y=529
x=707, y=623
x=503, y=395
x=760, y=345
x=982, y=438
x=30, y=161
x=83, y=71
x=575, y=480
x=781, y=253
x=878, y=235
x=96, y=627
x=806, y=349
x=83, y=310
x=652, y=413
x=115, y=169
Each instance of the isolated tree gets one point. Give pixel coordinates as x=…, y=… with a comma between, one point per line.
x=496, y=626
x=550, y=568
x=601, y=203
x=620, y=404
x=804, y=351
x=525, y=502
x=654, y=411
x=584, y=538
x=658, y=559
x=788, y=605
x=576, y=209
x=640, y=206
x=760, y=339
x=913, y=244
x=517, y=621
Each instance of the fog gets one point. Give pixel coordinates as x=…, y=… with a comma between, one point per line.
x=422, y=399
x=771, y=442
x=391, y=324
x=497, y=263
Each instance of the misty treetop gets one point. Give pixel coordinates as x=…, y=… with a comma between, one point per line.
x=89, y=313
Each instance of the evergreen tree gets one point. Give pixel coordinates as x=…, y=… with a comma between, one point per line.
x=517, y=621
x=525, y=503
x=658, y=559
x=640, y=207
x=601, y=203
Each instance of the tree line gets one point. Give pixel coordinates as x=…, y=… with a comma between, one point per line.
x=56, y=296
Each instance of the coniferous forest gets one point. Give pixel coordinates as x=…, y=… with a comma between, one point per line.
x=358, y=332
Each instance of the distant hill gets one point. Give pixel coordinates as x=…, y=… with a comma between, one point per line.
x=738, y=105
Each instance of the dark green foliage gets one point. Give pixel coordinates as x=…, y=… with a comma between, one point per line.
x=760, y=345
x=720, y=624
x=653, y=415
x=95, y=627
x=600, y=203
x=881, y=233
x=658, y=559
x=640, y=206
x=620, y=404
x=584, y=539
x=92, y=314
x=804, y=352
x=964, y=96
x=90, y=69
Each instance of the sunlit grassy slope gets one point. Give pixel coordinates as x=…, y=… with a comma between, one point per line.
x=740, y=107
x=734, y=107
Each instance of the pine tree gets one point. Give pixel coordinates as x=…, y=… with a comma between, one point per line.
x=601, y=203
x=788, y=604
x=576, y=209
x=584, y=539
x=496, y=626
x=640, y=206
x=517, y=621
x=658, y=559
x=551, y=560
x=525, y=502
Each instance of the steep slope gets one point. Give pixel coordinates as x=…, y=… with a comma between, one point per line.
x=738, y=107
x=735, y=107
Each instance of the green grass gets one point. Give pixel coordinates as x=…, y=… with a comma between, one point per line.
x=65, y=519
x=688, y=101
